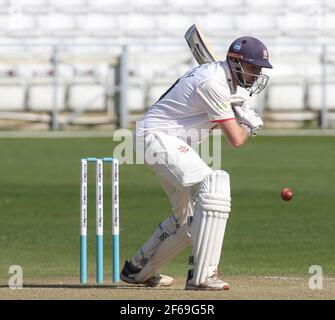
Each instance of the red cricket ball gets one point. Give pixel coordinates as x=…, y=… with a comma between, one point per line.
x=287, y=194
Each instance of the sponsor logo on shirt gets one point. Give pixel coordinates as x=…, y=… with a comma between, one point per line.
x=222, y=106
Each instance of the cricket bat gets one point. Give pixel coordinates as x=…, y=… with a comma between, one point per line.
x=199, y=46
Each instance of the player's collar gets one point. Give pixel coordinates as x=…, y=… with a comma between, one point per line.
x=229, y=76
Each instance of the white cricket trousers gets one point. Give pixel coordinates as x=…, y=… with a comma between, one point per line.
x=179, y=169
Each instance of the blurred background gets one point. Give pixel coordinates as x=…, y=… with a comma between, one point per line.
x=79, y=64
x=82, y=68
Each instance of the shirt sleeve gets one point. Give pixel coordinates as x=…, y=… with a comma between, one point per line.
x=216, y=100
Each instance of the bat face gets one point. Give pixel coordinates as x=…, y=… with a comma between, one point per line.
x=199, y=46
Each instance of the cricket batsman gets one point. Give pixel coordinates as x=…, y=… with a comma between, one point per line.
x=202, y=99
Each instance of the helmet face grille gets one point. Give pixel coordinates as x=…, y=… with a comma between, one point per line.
x=259, y=84
x=238, y=72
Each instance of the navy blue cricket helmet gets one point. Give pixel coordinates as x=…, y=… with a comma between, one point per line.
x=251, y=51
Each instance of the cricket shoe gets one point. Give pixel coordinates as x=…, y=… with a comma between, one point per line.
x=129, y=273
x=212, y=283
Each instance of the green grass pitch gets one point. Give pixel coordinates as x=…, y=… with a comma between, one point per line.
x=39, y=207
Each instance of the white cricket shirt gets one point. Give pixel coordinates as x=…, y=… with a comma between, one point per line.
x=199, y=100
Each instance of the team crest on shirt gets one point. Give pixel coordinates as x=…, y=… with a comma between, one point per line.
x=183, y=149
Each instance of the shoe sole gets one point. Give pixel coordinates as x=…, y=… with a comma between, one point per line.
x=148, y=284
x=224, y=288
x=160, y=284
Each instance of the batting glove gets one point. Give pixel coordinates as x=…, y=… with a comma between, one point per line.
x=245, y=116
x=248, y=117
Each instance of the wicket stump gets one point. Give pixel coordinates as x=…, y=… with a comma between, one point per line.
x=99, y=218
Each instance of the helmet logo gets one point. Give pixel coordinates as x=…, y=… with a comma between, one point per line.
x=237, y=46
x=265, y=54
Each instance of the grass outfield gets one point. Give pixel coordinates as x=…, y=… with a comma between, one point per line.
x=39, y=207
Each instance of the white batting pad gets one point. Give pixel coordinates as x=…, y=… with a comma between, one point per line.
x=164, y=230
x=166, y=251
x=209, y=223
